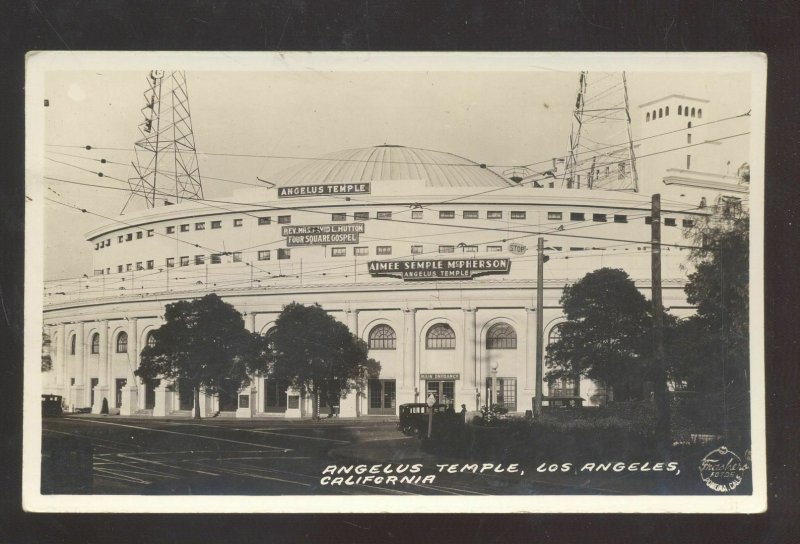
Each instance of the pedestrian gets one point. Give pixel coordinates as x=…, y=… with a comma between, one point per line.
x=463, y=412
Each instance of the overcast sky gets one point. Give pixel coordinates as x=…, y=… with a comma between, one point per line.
x=497, y=118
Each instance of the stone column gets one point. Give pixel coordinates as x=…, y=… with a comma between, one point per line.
x=251, y=322
x=470, y=351
x=409, y=355
x=101, y=389
x=60, y=361
x=77, y=392
x=530, y=387
x=130, y=393
x=352, y=321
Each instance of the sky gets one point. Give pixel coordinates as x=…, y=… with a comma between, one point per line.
x=492, y=117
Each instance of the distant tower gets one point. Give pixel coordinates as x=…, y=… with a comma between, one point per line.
x=166, y=166
x=601, y=154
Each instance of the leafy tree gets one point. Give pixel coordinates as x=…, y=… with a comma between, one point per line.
x=607, y=336
x=319, y=355
x=47, y=360
x=204, y=344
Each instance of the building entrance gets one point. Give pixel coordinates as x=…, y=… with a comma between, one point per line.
x=185, y=396
x=228, y=396
x=444, y=391
x=382, y=397
x=274, y=396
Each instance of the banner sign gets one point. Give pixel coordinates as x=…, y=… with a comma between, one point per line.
x=310, y=235
x=439, y=269
x=455, y=376
x=324, y=190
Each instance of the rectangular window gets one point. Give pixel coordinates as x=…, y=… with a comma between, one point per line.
x=139, y=235
x=518, y=215
x=199, y=259
x=470, y=249
x=150, y=233
x=108, y=242
x=170, y=262
x=670, y=222
x=599, y=217
x=470, y=214
x=555, y=216
x=494, y=215
x=416, y=214
x=648, y=220
x=494, y=249
x=237, y=256
x=382, y=397
x=504, y=394
x=237, y=222
x=284, y=219
x=139, y=266
x=128, y=267
x=199, y=226
x=338, y=251
x=360, y=251
x=120, y=239
x=150, y=265
x=170, y=230
x=263, y=255
x=447, y=214
x=620, y=219
x=338, y=217
x=216, y=224
x=384, y=215
x=576, y=216
x=361, y=216
x=688, y=162
x=416, y=249
x=264, y=220
x=216, y=258
x=688, y=223
x=446, y=249
x=129, y=237
x=96, y=247
x=184, y=228
x=284, y=253
x=119, y=269
x=689, y=138
x=185, y=261
x=383, y=250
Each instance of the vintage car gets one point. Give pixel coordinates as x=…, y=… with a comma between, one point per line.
x=51, y=405
x=414, y=417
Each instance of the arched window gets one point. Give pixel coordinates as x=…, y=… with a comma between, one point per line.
x=122, y=342
x=686, y=111
x=269, y=335
x=72, y=345
x=440, y=336
x=151, y=340
x=654, y=115
x=680, y=110
x=660, y=113
x=689, y=124
x=700, y=113
x=501, y=336
x=666, y=111
x=692, y=112
x=96, y=343
x=647, y=117
x=555, y=334
x=382, y=337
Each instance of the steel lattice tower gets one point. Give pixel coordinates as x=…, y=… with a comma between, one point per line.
x=601, y=154
x=166, y=166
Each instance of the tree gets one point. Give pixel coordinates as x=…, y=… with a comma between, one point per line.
x=204, y=344
x=47, y=360
x=319, y=355
x=607, y=336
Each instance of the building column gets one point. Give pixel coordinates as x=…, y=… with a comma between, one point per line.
x=251, y=322
x=101, y=389
x=130, y=392
x=77, y=390
x=468, y=385
x=60, y=360
x=409, y=356
x=529, y=383
x=352, y=321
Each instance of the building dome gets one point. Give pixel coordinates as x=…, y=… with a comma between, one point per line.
x=392, y=162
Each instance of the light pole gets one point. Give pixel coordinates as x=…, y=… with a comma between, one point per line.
x=430, y=402
x=491, y=398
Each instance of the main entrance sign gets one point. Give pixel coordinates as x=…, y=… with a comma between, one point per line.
x=439, y=269
x=323, y=190
x=310, y=235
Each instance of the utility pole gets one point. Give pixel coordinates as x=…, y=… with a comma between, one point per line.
x=660, y=394
x=537, y=402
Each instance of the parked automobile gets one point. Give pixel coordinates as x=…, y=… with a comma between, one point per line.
x=52, y=405
x=414, y=417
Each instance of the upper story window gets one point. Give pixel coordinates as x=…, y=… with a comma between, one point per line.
x=216, y=258
x=666, y=111
x=216, y=224
x=447, y=214
x=647, y=117
x=119, y=268
x=670, y=222
x=648, y=220
x=128, y=267
x=577, y=216
x=518, y=215
x=185, y=260
x=384, y=215
x=150, y=265
x=237, y=222
x=170, y=262
x=494, y=249
x=184, y=228
x=151, y=340
x=470, y=214
x=284, y=253
x=129, y=237
x=264, y=220
x=680, y=110
x=139, y=266
x=338, y=251
x=120, y=239
x=620, y=219
x=361, y=216
x=199, y=226
x=471, y=249
x=501, y=336
x=338, y=217
x=446, y=249
x=700, y=113
x=95, y=343
x=199, y=259
x=122, y=342
x=170, y=230
x=237, y=256
x=284, y=219
x=416, y=214
x=139, y=235
x=440, y=336
x=150, y=233
x=494, y=215
x=416, y=249
x=263, y=255
x=72, y=342
x=600, y=217
x=382, y=337
x=360, y=251
x=688, y=223
x=383, y=250
x=554, y=216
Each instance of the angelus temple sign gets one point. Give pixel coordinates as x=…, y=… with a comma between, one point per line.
x=442, y=269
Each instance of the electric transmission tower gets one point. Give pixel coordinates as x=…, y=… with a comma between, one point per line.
x=166, y=167
x=601, y=154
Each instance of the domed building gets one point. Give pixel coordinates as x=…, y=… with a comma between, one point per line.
x=427, y=256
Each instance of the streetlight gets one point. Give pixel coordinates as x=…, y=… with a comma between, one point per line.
x=491, y=398
x=430, y=402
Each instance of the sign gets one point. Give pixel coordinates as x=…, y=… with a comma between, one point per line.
x=311, y=235
x=517, y=249
x=439, y=269
x=455, y=376
x=324, y=190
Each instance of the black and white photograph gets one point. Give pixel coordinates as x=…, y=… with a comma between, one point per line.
x=398, y=282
